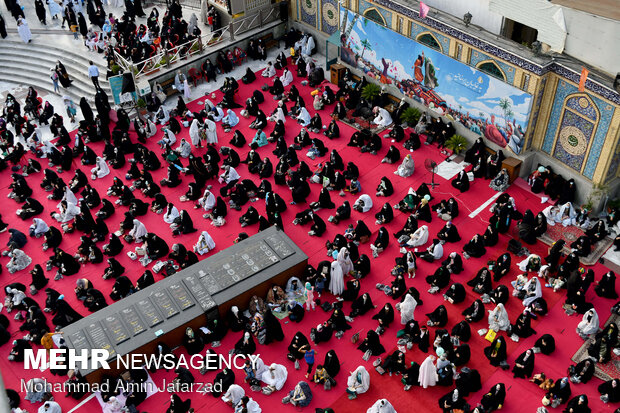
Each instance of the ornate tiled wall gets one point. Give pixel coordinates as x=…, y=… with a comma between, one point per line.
x=574, y=126
x=614, y=166
x=329, y=16
x=575, y=133
x=499, y=53
x=308, y=11
x=387, y=15
x=536, y=112
x=477, y=57
x=554, y=125
x=444, y=41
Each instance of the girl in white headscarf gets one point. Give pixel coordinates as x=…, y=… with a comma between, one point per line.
x=568, y=216
x=532, y=290
x=100, y=170
x=364, y=202
x=358, y=382
x=207, y=202
x=589, y=324
x=274, y=378
x=294, y=288
x=69, y=196
x=210, y=131
x=68, y=211
x=50, y=407
x=16, y=298
x=194, y=132
x=304, y=117
x=345, y=261
x=168, y=138
x=151, y=128
x=336, y=283
x=113, y=406
x=286, y=78
x=406, y=168
x=19, y=261
x=230, y=120
x=259, y=367
x=162, y=116
x=24, y=30
x=171, y=214
x=526, y=266
x=278, y=114
x=383, y=117
x=308, y=46
x=498, y=318
x=233, y=395
x=419, y=237
x=205, y=243
x=38, y=228
x=54, y=8
x=138, y=232
x=428, y=372
x=381, y=406
x=218, y=113
x=407, y=309
x=179, y=81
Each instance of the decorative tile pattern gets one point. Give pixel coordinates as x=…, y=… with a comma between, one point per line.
x=582, y=105
x=614, y=166
x=536, y=112
x=477, y=57
x=387, y=15
x=606, y=112
x=308, y=10
x=606, y=92
x=329, y=16
x=573, y=140
x=444, y=41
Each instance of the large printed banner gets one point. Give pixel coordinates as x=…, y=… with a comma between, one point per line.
x=480, y=102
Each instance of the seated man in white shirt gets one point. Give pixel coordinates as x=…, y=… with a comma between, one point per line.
x=432, y=253
x=269, y=71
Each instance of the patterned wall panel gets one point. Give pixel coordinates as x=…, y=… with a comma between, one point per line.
x=614, y=167
x=536, y=111
x=574, y=138
x=605, y=111
x=329, y=16
x=387, y=15
x=477, y=57
x=308, y=11
x=416, y=29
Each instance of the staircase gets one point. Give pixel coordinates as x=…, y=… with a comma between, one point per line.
x=30, y=64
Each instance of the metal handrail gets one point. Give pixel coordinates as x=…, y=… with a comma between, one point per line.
x=165, y=57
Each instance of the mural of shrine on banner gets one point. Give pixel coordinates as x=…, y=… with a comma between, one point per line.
x=577, y=128
x=480, y=102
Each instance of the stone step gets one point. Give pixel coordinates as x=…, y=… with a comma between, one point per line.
x=44, y=31
x=60, y=53
x=78, y=63
x=9, y=63
x=39, y=59
x=42, y=85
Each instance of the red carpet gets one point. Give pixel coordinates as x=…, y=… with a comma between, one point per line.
x=522, y=396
